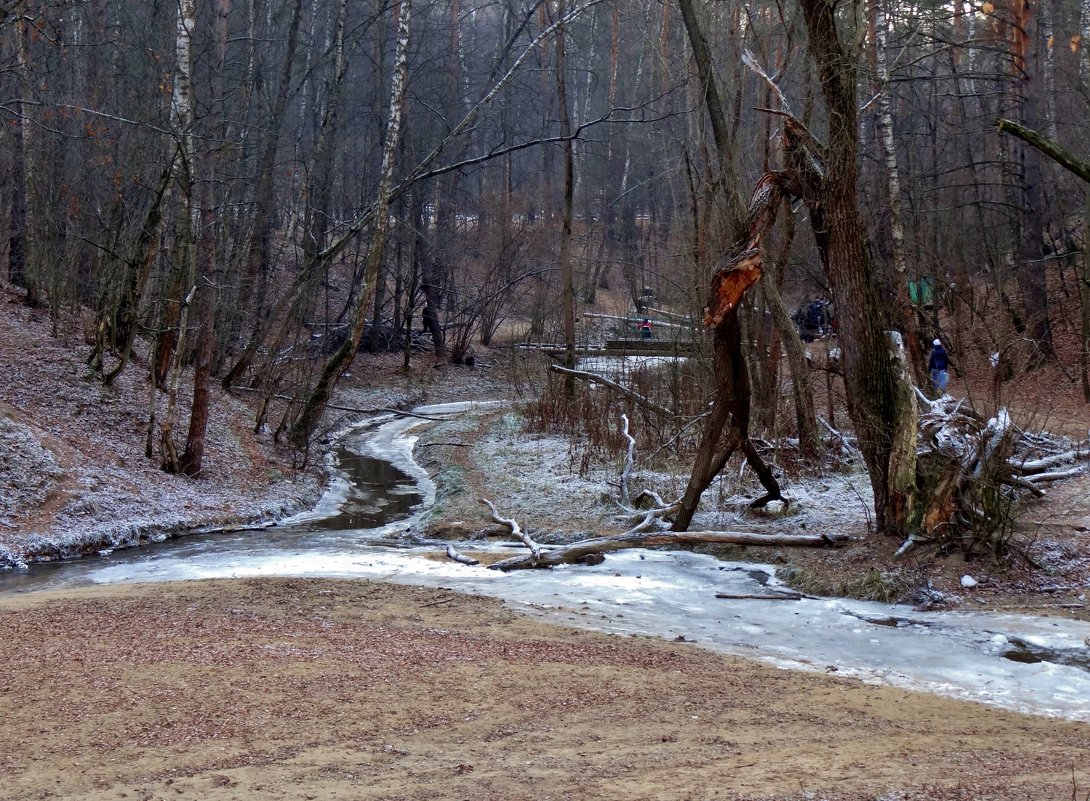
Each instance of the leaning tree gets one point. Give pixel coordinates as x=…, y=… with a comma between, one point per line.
x=822, y=174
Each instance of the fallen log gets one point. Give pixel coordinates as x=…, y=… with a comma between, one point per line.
x=457, y=556
x=578, y=551
x=779, y=596
x=1059, y=475
x=1034, y=466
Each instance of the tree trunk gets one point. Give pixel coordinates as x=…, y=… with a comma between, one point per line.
x=316, y=402
x=1031, y=274
x=903, y=314
x=259, y=251
x=727, y=427
x=21, y=263
x=567, y=279
x=182, y=109
x=209, y=256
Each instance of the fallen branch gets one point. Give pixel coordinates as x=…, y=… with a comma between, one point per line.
x=846, y=446
x=655, y=498
x=653, y=516
x=516, y=530
x=1022, y=484
x=577, y=552
x=594, y=378
x=1058, y=475
x=779, y=596
x=1031, y=466
x=625, y=494
x=453, y=553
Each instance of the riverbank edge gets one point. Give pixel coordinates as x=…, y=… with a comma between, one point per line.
x=101, y=536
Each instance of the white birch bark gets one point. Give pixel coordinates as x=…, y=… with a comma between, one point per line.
x=340, y=361
x=181, y=115
x=889, y=144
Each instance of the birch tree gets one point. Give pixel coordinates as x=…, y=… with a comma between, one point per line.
x=316, y=401
x=181, y=112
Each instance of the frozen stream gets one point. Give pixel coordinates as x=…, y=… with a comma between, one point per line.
x=1039, y=665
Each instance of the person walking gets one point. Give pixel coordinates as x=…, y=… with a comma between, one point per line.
x=645, y=329
x=937, y=365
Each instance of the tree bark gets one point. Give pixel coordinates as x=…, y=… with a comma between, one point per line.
x=1031, y=275
x=316, y=401
x=875, y=402
x=259, y=250
x=727, y=427
x=567, y=279
x=903, y=316
x=579, y=551
x=209, y=256
x=182, y=111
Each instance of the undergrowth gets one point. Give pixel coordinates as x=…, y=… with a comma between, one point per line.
x=872, y=585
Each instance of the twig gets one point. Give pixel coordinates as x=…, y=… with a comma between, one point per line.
x=650, y=405
x=440, y=601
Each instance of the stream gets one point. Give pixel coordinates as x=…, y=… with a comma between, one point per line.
x=366, y=527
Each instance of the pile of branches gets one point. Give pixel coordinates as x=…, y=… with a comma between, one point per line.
x=974, y=475
x=388, y=340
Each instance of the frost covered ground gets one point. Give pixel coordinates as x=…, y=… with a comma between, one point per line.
x=73, y=475
x=73, y=478
x=559, y=494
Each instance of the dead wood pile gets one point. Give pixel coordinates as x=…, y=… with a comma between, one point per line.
x=975, y=473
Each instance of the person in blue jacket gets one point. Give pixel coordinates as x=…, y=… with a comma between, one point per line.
x=937, y=365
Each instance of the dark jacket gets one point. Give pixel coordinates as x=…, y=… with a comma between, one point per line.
x=938, y=360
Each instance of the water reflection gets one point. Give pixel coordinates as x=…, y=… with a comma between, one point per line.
x=379, y=494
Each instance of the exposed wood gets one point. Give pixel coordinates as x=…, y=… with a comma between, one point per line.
x=730, y=284
x=453, y=553
x=973, y=475
x=578, y=551
x=777, y=596
x=514, y=528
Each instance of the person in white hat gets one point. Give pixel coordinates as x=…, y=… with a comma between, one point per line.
x=937, y=365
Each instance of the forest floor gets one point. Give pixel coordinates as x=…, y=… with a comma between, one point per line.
x=326, y=689
x=323, y=689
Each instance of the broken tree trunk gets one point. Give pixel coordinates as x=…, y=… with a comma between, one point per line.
x=976, y=473
x=727, y=427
